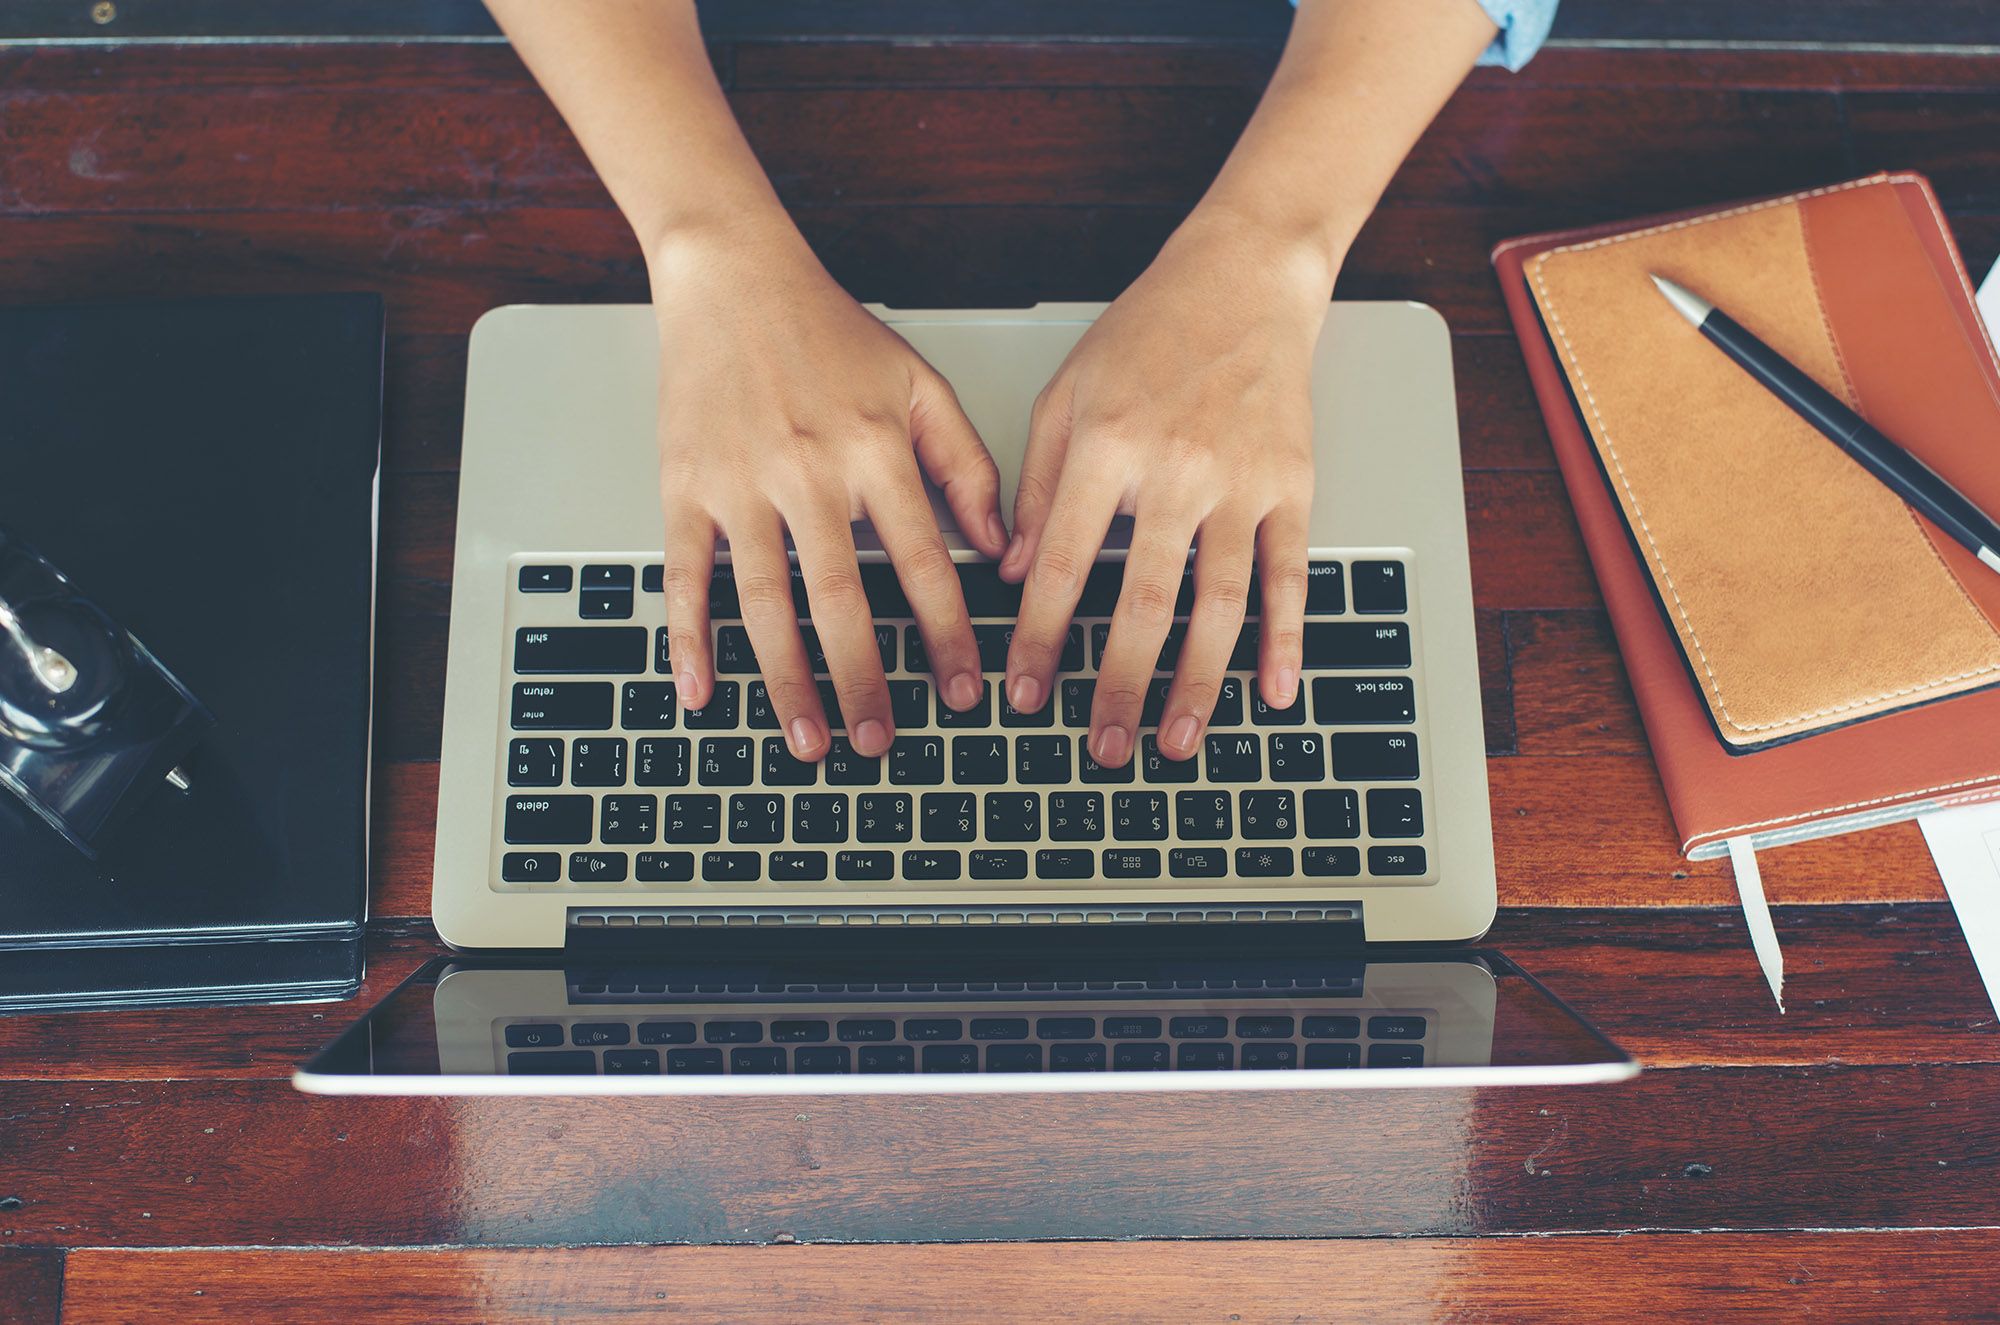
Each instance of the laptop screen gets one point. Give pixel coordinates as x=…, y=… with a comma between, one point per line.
x=1089, y=1008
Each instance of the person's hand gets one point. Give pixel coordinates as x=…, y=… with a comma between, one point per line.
x=786, y=407
x=1188, y=407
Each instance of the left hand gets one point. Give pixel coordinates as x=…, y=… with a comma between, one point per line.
x=1188, y=407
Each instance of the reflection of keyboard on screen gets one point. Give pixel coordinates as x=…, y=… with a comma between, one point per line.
x=743, y=1041
x=607, y=783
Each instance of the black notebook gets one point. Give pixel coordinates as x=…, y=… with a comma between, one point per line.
x=205, y=471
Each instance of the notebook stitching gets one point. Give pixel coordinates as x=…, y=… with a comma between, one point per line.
x=1833, y=810
x=1713, y=684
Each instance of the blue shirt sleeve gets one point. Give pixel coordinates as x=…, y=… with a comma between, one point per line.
x=1524, y=26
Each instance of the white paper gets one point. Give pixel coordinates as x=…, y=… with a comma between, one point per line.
x=1965, y=843
x=1757, y=915
x=1989, y=300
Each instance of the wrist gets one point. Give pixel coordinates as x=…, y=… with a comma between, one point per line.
x=1307, y=249
x=695, y=250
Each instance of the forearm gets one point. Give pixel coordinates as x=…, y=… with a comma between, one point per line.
x=1358, y=83
x=633, y=80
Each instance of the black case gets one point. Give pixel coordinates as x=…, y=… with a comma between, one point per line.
x=206, y=472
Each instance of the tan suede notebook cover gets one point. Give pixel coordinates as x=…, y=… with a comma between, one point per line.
x=1765, y=588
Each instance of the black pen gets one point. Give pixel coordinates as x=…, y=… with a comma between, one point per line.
x=1906, y=476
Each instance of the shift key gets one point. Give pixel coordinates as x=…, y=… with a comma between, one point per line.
x=599, y=650
x=550, y=819
x=583, y=706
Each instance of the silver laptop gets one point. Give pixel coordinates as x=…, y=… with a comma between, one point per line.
x=713, y=915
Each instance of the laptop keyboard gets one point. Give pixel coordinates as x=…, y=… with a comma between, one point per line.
x=607, y=784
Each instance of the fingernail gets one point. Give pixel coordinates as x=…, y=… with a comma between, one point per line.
x=995, y=530
x=687, y=681
x=1110, y=746
x=1025, y=694
x=1288, y=685
x=805, y=737
x=1013, y=552
x=962, y=691
x=871, y=737
x=1182, y=736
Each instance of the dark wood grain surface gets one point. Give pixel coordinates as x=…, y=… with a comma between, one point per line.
x=1762, y=1165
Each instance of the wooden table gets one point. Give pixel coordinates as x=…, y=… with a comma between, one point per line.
x=1843, y=1159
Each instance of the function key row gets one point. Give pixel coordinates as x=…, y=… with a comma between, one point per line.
x=875, y=1030
x=879, y=1059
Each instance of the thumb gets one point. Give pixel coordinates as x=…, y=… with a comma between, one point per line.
x=949, y=449
x=1041, y=468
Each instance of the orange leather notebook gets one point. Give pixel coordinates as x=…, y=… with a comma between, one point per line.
x=1809, y=656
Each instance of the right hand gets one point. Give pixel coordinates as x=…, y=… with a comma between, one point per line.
x=786, y=406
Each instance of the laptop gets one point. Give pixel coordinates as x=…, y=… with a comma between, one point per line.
x=684, y=908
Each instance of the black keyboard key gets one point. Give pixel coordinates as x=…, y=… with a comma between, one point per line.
x=860, y=1030
x=815, y=651
x=733, y=1032
x=1076, y=697
x=782, y=769
x=950, y=816
x=723, y=602
x=1045, y=716
x=1203, y=816
x=1099, y=596
x=1330, y=1028
x=607, y=577
x=999, y=865
x=933, y=1028
x=916, y=761
x=1394, y=1027
x=1198, y=1028
x=999, y=1028
x=1266, y=1057
x=1043, y=760
x=652, y=579
x=979, y=715
x=762, y=1062
x=930, y=866
x=864, y=866
x=916, y=658
x=666, y=1032
x=1333, y=1055
x=910, y=704
x=726, y=761
x=993, y=639
x=1330, y=862
x=1268, y=816
x=631, y=1062
x=824, y=1061
x=885, y=645
x=1325, y=595
x=661, y=761
x=1205, y=1057
x=1380, y=586
x=1243, y=658
x=1340, y=644
x=819, y=817
x=1197, y=862
x=1392, y=861
x=1264, y=1027
x=545, y=579
x=605, y=604
x=566, y=1063
x=1297, y=757
x=1089, y=770
x=600, y=1033
x=719, y=714
x=1154, y=763
x=590, y=650
x=664, y=867
x=951, y=1058
x=1076, y=863
x=1374, y=756
x=1076, y=1058
x=1395, y=812
x=758, y=819
x=1131, y=1028
x=731, y=866
x=884, y=590
x=1332, y=813
x=798, y=866
x=978, y=760
x=887, y=1058
x=533, y=820
x=844, y=768
x=882, y=817
x=694, y=1062
x=535, y=761
x=1014, y=1058
x=1139, y=816
x=733, y=653
x=598, y=761
x=759, y=713
x=594, y=867
x=829, y=703
x=1076, y=816
x=986, y=594
x=531, y=867
x=1013, y=816
x=1141, y=1058
x=534, y=1035
x=628, y=820
x=1228, y=710
x=1132, y=863
x=1065, y=1028
x=663, y=660
x=1395, y=1055
x=1235, y=757
x=583, y=706
x=692, y=818
x=648, y=706
x=1264, y=715
x=1155, y=703
x=1364, y=700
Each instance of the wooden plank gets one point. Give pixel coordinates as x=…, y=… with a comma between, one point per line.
x=1859, y=1277
x=1569, y=689
x=1953, y=137
x=191, y=1163
x=30, y=1279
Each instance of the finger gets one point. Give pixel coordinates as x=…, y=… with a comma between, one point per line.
x=1153, y=570
x=1281, y=577
x=764, y=591
x=684, y=579
x=909, y=534
x=1068, y=547
x=1222, y=563
x=846, y=626
x=1041, y=474
x=948, y=447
